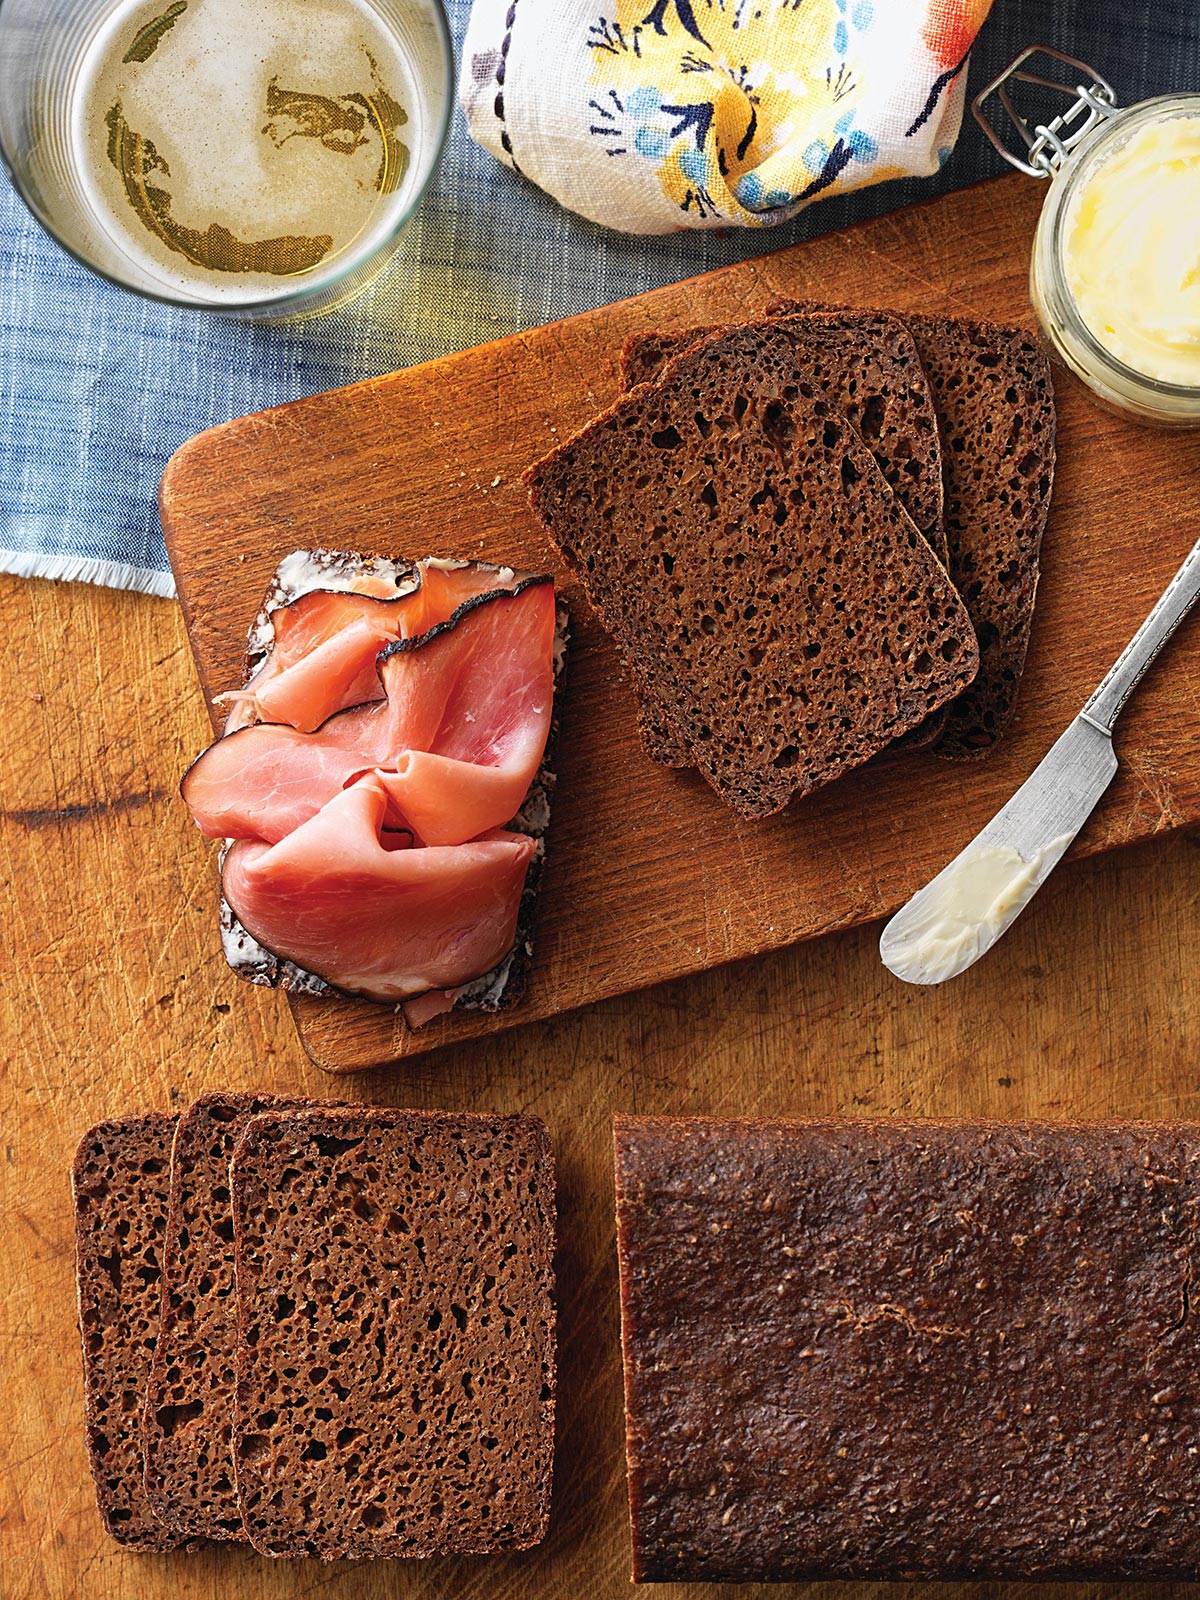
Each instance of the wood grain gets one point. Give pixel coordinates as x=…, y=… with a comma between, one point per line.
x=114, y=997
x=649, y=877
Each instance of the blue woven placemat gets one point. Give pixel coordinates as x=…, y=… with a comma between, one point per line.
x=97, y=387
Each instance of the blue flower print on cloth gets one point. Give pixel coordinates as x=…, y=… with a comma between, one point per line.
x=652, y=115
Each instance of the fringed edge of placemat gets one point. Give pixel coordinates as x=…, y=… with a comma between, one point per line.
x=88, y=569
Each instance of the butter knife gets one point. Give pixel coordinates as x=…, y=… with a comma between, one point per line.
x=960, y=914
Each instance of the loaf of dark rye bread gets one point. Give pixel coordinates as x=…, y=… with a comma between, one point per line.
x=867, y=364
x=119, y=1181
x=780, y=612
x=396, y=1332
x=910, y=1351
x=188, y=1416
x=995, y=401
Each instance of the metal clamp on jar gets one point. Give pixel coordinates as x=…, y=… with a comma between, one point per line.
x=1115, y=276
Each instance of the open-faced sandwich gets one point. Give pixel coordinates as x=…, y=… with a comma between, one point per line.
x=382, y=784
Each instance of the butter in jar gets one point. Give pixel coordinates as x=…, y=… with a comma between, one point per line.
x=1131, y=250
x=1115, y=278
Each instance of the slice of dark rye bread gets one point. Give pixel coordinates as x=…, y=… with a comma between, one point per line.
x=188, y=1414
x=874, y=1349
x=778, y=609
x=995, y=398
x=396, y=1332
x=119, y=1181
x=299, y=573
x=867, y=364
x=995, y=401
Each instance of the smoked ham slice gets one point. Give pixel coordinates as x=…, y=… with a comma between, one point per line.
x=303, y=682
x=326, y=643
x=457, y=740
x=397, y=720
x=382, y=922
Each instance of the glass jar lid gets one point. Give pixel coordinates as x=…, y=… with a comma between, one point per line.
x=1047, y=144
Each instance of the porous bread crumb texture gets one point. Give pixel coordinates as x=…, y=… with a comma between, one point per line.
x=866, y=363
x=996, y=401
x=188, y=1416
x=644, y=355
x=120, y=1182
x=777, y=608
x=910, y=1351
x=396, y=1360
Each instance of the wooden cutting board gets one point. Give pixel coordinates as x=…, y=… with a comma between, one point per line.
x=649, y=877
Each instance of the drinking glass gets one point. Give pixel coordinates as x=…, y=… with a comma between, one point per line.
x=46, y=47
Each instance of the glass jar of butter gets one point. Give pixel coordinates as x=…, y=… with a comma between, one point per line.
x=1115, y=274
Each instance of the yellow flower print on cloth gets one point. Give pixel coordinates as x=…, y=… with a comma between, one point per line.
x=651, y=115
x=742, y=119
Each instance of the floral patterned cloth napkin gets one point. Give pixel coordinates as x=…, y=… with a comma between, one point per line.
x=652, y=115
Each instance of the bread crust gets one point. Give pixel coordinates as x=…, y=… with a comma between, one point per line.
x=896, y=1350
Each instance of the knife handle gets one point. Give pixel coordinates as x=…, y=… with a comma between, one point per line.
x=1176, y=600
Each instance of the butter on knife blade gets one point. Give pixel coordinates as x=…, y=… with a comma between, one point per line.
x=960, y=914
x=957, y=918
x=965, y=910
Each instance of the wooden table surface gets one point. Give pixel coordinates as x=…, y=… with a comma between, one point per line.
x=115, y=997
